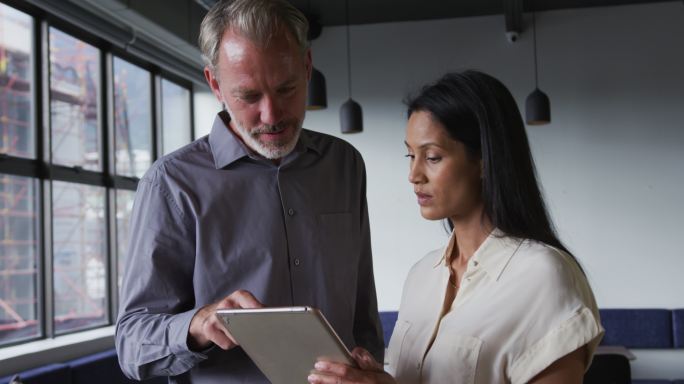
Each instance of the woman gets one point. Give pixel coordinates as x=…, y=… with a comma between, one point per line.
x=504, y=301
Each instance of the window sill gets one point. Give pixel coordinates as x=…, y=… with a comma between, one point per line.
x=34, y=354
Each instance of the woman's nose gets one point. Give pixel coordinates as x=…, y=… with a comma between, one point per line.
x=415, y=176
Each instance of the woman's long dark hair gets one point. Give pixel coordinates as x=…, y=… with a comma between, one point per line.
x=479, y=111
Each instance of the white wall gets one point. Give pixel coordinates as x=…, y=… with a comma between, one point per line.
x=611, y=162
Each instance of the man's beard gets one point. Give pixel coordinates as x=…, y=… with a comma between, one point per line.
x=269, y=150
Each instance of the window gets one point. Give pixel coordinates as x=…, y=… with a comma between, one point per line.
x=16, y=118
x=18, y=259
x=132, y=119
x=124, y=206
x=67, y=187
x=74, y=102
x=79, y=256
x=175, y=102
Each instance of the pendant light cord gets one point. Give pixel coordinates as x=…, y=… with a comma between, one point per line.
x=346, y=6
x=534, y=37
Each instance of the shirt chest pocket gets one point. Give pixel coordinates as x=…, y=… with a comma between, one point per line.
x=452, y=359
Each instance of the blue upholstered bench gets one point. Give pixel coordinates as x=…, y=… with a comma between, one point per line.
x=631, y=328
x=625, y=327
x=47, y=374
x=638, y=328
x=100, y=368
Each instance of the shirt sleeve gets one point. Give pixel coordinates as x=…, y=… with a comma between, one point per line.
x=562, y=316
x=156, y=299
x=367, y=328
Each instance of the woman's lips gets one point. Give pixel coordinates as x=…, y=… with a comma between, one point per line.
x=423, y=199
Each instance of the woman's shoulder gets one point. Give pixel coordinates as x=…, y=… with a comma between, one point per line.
x=537, y=257
x=550, y=270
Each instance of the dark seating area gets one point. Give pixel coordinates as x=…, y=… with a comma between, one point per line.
x=630, y=328
x=99, y=368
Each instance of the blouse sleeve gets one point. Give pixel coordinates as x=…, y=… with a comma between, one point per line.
x=562, y=315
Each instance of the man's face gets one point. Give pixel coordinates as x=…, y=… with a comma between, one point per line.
x=264, y=90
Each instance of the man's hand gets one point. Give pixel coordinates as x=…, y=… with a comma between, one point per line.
x=206, y=328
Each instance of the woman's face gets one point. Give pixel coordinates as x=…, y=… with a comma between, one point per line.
x=445, y=179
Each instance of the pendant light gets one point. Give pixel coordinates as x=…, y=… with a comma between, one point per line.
x=537, y=105
x=351, y=116
x=316, y=97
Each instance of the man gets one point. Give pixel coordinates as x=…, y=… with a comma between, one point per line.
x=259, y=212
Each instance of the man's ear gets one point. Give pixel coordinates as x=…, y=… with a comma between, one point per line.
x=213, y=83
x=308, y=64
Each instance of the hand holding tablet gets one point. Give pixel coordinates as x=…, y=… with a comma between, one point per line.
x=205, y=328
x=285, y=342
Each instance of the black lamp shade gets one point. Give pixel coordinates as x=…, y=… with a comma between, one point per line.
x=537, y=108
x=351, y=117
x=316, y=97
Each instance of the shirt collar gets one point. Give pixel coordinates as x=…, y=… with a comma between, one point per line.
x=227, y=147
x=493, y=255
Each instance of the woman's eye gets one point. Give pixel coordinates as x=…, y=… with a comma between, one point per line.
x=433, y=159
x=410, y=156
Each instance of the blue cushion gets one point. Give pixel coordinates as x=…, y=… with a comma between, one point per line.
x=637, y=328
x=100, y=368
x=103, y=368
x=387, y=319
x=47, y=374
x=678, y=328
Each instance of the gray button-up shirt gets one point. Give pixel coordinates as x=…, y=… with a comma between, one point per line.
x=212, y=218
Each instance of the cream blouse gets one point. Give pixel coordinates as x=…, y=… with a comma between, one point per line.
x=521, y=306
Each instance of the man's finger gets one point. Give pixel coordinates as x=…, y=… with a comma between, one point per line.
x=245, y=299
x=218, y=335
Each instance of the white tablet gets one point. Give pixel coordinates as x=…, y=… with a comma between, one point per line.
x=285, y=342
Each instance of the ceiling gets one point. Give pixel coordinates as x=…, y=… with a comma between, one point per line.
x=332, y=12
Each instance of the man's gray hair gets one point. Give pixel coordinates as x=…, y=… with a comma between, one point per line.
x=257, y=20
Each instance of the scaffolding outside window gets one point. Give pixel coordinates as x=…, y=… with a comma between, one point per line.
x=176, y=128
x=19, y=317
x=74, y=102
x=132, y=119
x=124, y=207
x=19, y=255
x=17, y=136
x=79, y=256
